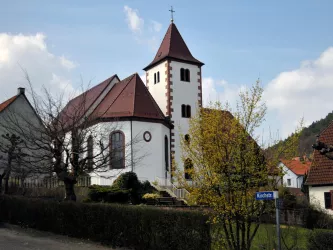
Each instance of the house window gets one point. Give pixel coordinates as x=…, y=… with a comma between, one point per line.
x=90, y=146
x=328, y=200
x=156, y=77
x=289, y=182
x=117, y=150
x=186, y=111
x=188, y=167
x=166, y=153
x=184, y=75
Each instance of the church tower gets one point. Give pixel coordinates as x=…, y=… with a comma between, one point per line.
x=174, y=80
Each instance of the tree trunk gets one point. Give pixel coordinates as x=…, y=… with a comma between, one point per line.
x=6, y=185
x=1, y=177
x=70, y=192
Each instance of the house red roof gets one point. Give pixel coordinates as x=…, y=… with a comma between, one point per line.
x=296, y=166
x=7, y=102
x=128, y=98
x=321, y=171
x=173, y=47
x=78, y=106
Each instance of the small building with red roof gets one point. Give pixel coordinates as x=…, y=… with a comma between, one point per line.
x=320, y=177
x=294, y=171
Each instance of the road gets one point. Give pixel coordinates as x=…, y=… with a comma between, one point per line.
x=16, y=238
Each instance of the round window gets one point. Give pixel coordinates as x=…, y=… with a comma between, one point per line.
x=147, y=136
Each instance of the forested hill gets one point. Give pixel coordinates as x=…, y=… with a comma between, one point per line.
x=308, y=135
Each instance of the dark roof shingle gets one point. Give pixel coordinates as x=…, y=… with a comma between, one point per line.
x=128, y=98
x=173, y=47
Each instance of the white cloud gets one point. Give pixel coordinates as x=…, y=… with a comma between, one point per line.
x=143, y=34
x=135, y=23
x=156, y=26
x=306, y=91
x=19, y=53
x=220, y=90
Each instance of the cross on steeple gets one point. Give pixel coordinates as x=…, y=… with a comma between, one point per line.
x=172, y=11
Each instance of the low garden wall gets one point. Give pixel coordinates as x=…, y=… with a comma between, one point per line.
x=137, y=227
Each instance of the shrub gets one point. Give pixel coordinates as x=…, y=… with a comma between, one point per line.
x=150, y=196
x=320, y=239
x=108, y=194
x=137, y=227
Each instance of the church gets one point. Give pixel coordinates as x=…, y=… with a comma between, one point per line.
x=154, y=114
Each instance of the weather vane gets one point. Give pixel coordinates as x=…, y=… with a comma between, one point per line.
x=172, y=11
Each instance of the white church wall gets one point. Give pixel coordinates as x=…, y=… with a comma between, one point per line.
x=158, y=90
x=183, y=93
x=148, y=157
x=152, y=164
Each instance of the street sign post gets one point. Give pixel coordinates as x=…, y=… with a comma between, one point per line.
x=272, y=195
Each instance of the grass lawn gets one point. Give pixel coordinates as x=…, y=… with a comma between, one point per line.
x=291, y=238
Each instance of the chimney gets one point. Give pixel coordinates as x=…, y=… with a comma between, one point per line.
x=20, y=91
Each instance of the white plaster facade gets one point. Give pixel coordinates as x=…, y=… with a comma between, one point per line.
x=180, y=92
x=290, y=179
x=317, y=198
x=19, y=118
x=145, y=158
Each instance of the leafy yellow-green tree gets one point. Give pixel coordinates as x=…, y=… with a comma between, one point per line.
x=226, y=166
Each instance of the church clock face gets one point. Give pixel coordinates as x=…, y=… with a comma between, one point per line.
x=147, y=136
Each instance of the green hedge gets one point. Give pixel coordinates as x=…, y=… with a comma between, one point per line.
x=320, y=239
x=137, y=227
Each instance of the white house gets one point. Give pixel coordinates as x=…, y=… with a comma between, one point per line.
x=17, y=116
x=320, y=177
x=294, y=171
x=155, y=112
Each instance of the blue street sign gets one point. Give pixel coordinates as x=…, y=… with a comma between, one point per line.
x=267, y=195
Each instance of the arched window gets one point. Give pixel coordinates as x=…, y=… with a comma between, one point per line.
x=188, y=111
x=188, y=169
x=187, y=75
x=117, y=150
x=187, y=138
x=90, y=152
x=166, y=153
x=183, y=110
x=182, y=74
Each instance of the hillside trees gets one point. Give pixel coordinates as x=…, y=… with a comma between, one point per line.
x=227, y=166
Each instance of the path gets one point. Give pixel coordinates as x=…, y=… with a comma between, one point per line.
x=16, y=238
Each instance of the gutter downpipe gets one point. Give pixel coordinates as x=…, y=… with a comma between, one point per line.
x=132, y=167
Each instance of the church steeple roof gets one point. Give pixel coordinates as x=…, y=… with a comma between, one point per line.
x=173, y=47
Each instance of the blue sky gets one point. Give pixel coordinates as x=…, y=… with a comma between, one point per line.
x=238, y=42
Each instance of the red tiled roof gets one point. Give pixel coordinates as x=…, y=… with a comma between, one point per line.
x=296, y=166
x=173, y=46
x=6, y=103
x=78, y=106
x=321, y=171
x=128, y=98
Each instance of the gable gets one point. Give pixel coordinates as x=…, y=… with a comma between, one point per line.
x=321, y=172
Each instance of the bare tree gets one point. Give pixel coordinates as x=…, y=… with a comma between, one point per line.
x=70, y=141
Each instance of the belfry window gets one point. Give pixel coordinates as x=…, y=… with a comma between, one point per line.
x=185, y=75
x=186, y=111
x=156, y=77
